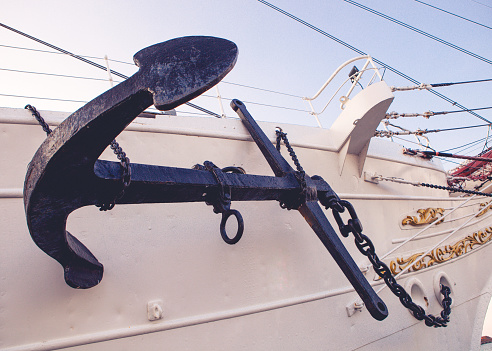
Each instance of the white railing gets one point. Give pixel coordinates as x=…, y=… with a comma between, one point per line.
x=354, y=78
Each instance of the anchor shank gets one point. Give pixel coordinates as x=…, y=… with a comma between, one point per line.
x=278, y=164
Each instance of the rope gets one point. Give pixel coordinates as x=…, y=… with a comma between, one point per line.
x=419, y=132
x=395, y=115
x=424, y=86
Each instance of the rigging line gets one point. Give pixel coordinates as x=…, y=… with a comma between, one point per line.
x=466, y=19
x=456, y=47
x=269, y=91
x=444, y=154
x=61, y=53
x=409, y=141
x=80, y=101
x=384, y=133
x=471, y=150
x=373, y=58
x=470, y=144
x=92, y=63
x=133, y=65
x=117, y=81
x=457, y=111
x=259, y=104
x=41, y=98
x=395, y=115
x=478, y=2
x=54, y=74
x=459, y=128
x=457, y=83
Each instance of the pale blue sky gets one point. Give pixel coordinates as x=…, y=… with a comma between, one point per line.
x=275, y=52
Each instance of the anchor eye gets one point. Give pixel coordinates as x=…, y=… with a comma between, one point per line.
x=240, y=226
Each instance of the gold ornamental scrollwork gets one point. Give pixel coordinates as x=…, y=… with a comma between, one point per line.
x=484, y=208
x=442, y=254
x=425, y=216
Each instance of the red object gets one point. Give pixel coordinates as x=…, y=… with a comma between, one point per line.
x=475, y=170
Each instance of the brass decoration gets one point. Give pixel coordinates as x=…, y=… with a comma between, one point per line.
x=442, y=254
x=484, y=208
x=426, y=216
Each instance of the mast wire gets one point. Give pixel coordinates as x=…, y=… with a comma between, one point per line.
x=456, y=47
x=131, y=64
x=92, y=63
x=428, y=114
x=453, y=14
x=457, y=83
x=61, y=53
x=360, y=52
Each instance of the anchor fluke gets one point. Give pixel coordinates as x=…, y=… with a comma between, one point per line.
x=65, y=173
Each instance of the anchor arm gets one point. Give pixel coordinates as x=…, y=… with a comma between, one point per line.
x=61, y=173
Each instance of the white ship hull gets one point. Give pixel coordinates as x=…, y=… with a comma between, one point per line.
x=277, y=289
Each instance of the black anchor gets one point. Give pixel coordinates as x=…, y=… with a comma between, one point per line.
x=65, y=173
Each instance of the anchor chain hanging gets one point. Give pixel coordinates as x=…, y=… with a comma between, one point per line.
x=40, y=119
x=126, y=175
x=290, y=203
x=366, y=247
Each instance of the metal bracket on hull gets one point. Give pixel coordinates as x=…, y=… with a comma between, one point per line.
x=65, y=173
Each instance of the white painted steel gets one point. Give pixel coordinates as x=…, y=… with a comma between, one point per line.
x=278, y=288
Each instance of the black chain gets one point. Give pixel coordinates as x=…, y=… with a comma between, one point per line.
x=300, y=173
x=126, y=175
x=366, y=247
x=283, y=136
x=454, y=190
x=118, y=151
x=40, y=119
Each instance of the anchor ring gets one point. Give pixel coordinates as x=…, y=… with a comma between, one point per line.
x=240, y=226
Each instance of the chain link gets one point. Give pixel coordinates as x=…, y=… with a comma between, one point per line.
x=40, y=119
x=300, y=173
x=126, y=176
x=366, y=247
x=455, y=190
